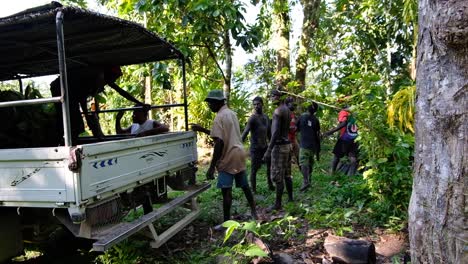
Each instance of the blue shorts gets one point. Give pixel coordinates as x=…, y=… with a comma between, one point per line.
x=225, y=179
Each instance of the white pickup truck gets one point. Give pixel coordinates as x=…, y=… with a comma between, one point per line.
x=110, y=176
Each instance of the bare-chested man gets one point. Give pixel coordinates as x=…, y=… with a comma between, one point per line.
x=259, y=128
x=279, y=149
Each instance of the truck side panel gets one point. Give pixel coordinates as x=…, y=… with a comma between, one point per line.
x=35, y=177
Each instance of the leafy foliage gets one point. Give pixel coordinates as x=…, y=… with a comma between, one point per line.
x=127, y=252
x=401, y=109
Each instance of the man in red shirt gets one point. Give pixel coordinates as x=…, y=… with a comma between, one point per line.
x=345, y=145
x=293, y=130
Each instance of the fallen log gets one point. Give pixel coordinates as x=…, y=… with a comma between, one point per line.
x=352, y=251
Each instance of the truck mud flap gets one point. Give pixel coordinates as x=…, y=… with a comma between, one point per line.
x=124, y=230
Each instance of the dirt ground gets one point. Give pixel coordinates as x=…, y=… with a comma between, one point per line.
x=389, y=247
x=305, y=247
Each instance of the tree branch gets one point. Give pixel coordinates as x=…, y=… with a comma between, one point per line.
x=213, y=56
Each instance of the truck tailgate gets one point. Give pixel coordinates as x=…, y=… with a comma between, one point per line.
x=110, y=167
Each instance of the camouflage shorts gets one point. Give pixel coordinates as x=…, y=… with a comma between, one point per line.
x=280, y=162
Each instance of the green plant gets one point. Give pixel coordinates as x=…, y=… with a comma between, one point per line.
x=395, y=224
x=282, y=228
x=242, y=251
x=126, y=252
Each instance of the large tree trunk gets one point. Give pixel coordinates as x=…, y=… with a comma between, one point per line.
x=438, y=205
x=281, y=30
x=311, y=10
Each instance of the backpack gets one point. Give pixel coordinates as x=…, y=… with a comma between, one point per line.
x=351, y=131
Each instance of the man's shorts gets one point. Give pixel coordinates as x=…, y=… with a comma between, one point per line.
x=306, y=157
x=344, y=147
x=256, y=156
x=225, y=179
x=280, y=162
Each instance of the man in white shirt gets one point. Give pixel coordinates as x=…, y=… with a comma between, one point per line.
x=142, y=126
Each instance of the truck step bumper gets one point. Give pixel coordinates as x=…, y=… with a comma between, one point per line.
x=123, y=230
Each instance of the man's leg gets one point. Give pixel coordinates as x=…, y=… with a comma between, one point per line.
x=268, y=172
x=253, y=175
x=279, y=162
x=255, y=165
x=225, y=181
x=295, y=153
x=227, y=202
x=251, y=201
x=334, y=164
x=305, y=169
x=338, y=152
x=352, y=165
x=352, y=155
x=279, y=196
x=289, y=187
x=288, y=176
x=241, y=181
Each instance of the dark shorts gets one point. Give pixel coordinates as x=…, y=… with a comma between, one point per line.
x=256, y=156
x=306, y=157
x=280, y=162
x=226, y=179
x=343, y=147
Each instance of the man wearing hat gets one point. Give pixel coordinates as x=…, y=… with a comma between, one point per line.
x=228, y=154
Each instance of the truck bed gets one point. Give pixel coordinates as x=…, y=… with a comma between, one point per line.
x=39, y=177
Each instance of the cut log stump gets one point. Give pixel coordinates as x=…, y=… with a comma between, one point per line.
x=352, y=251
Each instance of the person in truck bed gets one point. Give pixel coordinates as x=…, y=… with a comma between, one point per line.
x=142, y=126
x=82, y=84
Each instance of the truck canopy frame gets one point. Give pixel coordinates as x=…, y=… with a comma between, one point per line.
x=29, y=48
x=32, y=41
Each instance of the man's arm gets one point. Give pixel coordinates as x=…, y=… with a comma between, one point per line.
x=275, y=127
x=91, y=119
x=217, y=152
x=198, y=128
x=124, y=93
x=298, y=122
x=118, y=127
x=158, y=128
x=269, y=128
x=317, y=138
x=246, y=130
x=333, y=130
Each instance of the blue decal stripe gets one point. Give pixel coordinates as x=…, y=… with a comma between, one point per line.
x=104, y=163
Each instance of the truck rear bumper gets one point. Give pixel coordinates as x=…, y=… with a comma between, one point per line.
x=123, y=230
